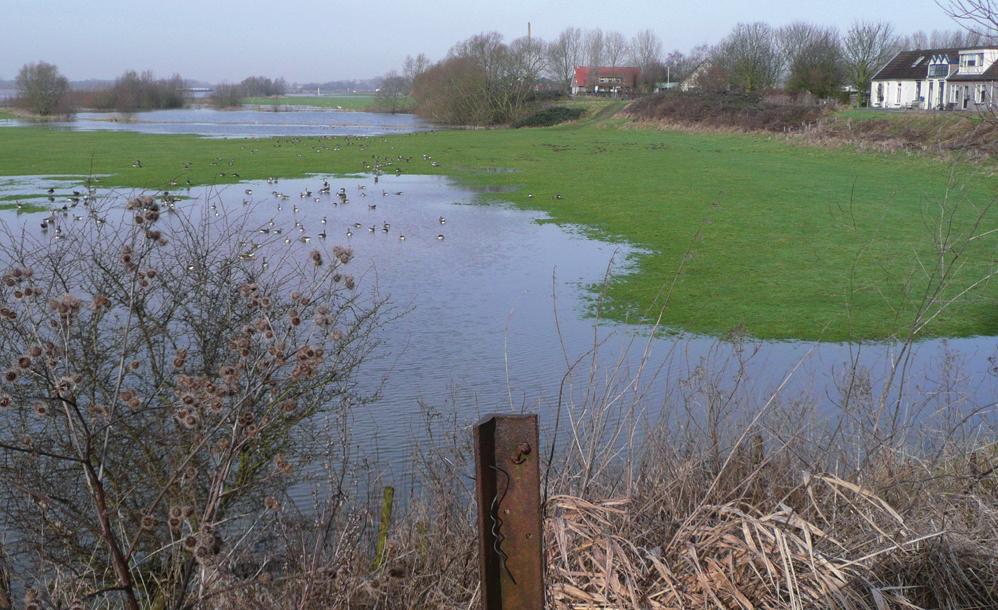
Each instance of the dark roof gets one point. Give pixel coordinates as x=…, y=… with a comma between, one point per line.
x=901, y=68
x=989, y=74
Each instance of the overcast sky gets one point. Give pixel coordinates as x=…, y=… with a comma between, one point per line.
x=320, y=40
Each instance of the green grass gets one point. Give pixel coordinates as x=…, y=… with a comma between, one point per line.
x=782, y=240
x=344, y=102
x=938, y=118
x=6, y=115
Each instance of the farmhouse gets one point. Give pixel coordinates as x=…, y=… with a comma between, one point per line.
x=938, y=79
x=604, y=80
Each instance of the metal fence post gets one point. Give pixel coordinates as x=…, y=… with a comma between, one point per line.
x=511, y=563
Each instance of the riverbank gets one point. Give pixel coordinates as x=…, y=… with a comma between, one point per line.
x=740, y=232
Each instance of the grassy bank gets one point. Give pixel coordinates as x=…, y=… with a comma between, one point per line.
x=776, y=239
x=337, y=102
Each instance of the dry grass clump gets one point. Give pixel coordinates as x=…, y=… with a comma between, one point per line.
x=829, y=543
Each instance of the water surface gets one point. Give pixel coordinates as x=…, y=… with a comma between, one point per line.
x=500, y=307
x=242, y=123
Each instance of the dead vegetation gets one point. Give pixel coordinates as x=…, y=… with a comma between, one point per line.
x=931, y=133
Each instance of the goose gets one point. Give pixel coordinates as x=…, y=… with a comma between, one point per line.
x=349, y=233
x=357, y=225
x=440, y=236
x=51, y=190
x=442, y=220
x=265, y=263
x=304, y=239
x=322, y=234
x=530, y=195
x=287, y=240
x=323, y=221
x=248, y=191
x=372, y=228
x=137, y=163
x=402, y=237
x=557, y=196
x=372, y=206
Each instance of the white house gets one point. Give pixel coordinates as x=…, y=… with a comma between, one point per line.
x=938, y=79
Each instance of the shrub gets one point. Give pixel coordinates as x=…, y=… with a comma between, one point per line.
x=550, y=116
x=725, y=109
x=157, y=379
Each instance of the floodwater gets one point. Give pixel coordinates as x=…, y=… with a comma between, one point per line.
x=242, y=123
x=497, y=309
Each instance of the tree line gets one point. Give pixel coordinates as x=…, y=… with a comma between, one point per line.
x=43, y=90
x=485, y=80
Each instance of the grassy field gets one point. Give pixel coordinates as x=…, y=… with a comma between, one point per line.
x=780, y=240
x=341, y=102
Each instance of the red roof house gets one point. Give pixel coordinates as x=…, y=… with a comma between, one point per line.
x=604, y=80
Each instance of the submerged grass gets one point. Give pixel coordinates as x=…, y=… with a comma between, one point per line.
x=778, y=240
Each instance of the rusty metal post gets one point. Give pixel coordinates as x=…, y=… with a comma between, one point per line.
x=511, y=563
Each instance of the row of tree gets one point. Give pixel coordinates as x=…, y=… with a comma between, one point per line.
x=134, y=92
x=485, y=80
x=42, y=90
x=228, y=95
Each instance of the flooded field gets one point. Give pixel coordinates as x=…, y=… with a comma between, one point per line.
x=497, y=306
x=242, y=123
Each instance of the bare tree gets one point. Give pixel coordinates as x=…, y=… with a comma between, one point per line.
x=646, y=49
x=615, y=48
x=392, y=92
x=483, y=81
x=750, y=56
x=564, y=54
x=867, y=47
x=978, y=16
x=595, y=47
x=41, y=89
x=530, y=57
x=814, y=59
x=414, y=66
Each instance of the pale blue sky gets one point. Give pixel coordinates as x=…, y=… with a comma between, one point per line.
x=316, y=40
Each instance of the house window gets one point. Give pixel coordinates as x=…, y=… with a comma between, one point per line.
x=938, y=70
x=918, y=91
x=898, y=100
x=917, y=61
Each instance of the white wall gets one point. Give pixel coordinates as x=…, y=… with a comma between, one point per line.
x=892, y=97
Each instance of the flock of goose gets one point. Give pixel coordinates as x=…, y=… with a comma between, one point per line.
x=324, y=196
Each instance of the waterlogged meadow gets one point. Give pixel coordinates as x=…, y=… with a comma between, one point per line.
x=312, y=319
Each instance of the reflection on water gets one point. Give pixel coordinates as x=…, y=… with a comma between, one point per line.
x=481, y=333
x=243, y=123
